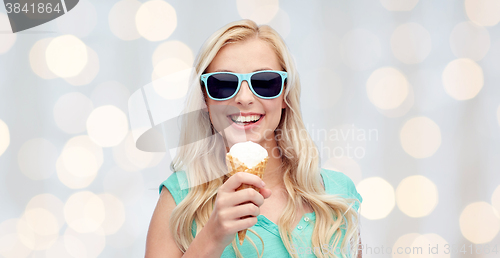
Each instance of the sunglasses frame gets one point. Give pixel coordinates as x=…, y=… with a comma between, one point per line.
x=245, y=77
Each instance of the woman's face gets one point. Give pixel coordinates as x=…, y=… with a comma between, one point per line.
x=245, y=57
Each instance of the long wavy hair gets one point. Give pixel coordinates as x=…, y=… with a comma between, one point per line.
x=204, y=160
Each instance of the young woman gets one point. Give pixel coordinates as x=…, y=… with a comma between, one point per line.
x=250, y=90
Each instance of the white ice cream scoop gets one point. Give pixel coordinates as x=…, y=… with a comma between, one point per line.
x=250, y=153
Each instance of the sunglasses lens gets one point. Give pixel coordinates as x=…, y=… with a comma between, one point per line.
x=221, y=86
x=267, y=84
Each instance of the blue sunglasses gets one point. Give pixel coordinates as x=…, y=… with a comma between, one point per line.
x=225, y=85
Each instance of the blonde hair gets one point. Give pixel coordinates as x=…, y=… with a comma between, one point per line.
x=203, y=160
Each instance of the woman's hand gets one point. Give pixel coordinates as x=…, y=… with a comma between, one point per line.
x=236, y=210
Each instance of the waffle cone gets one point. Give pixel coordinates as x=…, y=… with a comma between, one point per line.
x=234, y=166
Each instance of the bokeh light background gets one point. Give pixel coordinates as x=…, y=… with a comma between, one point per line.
x=410, y=87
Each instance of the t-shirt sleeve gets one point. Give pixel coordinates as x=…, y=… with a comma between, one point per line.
x=176, y=184
x=339, y=183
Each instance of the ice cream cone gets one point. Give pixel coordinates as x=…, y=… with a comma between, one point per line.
x=234, y=166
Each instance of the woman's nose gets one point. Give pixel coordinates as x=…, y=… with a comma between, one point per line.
x=245, y=96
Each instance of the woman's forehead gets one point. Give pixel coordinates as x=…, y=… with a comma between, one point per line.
x=245, y=56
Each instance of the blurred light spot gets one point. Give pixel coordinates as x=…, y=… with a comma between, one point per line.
x=37, y=158
x=92, y=243
x=79, y=161
x=129, y=158
x=4, y=137
x=81, y=22
x=403, y=246
x=431, y=245
x=411, y=43
x=38, y=61
x=281, y=23
x=71, y=111
x=89, y=72
x=65, y=246
x=468, y=40
x=171, y=78
x=42, y=221
x=416, y=196
x=360, y=49
x=495, y=201
x=70, y=180
x=173, y=49
x=50, y=203
x=84, y=141
x=10, y=242
x=128, y=189
x=169, y=66
x=107, y=126
x=66, y=56
x=420, y=137
x=260, y=11
x=463, y=79
x=8, y=39
x=399, y=5
x=387, y=88
x=483, y=12
x=121, y=19
x=156, y=20
x=403, y=108
x=69, y=177
x=84, y=212
x=39, y=253
x=110, y=93
x=478, y=223
x=378, y=198
x=38, y=229
x=345, y=165
x=74, y=245
x=115, y=213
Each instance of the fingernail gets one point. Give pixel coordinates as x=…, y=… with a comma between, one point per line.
x=263, y=184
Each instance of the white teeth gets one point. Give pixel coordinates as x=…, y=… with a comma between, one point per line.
x=241, y=119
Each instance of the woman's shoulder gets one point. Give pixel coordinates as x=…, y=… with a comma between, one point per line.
x=177, y=185
x=339, y=183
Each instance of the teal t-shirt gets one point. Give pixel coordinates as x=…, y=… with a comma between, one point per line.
x=335, y=183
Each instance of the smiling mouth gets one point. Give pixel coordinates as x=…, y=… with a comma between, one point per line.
x=245, y=120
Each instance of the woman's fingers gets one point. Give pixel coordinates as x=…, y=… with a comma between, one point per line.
x=245, y=223
x=244, y=210
x=235, y=210
x=244, y=196
x=266, y=193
